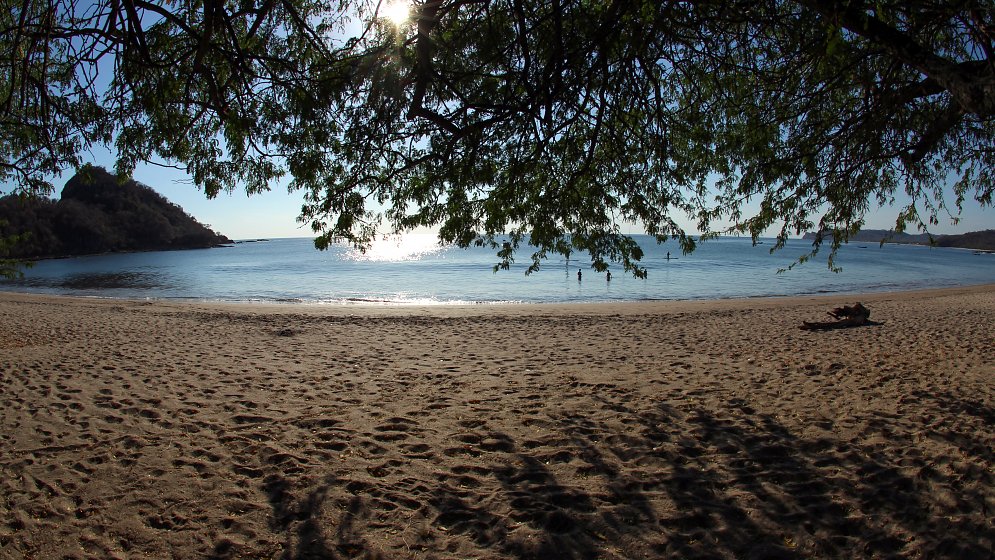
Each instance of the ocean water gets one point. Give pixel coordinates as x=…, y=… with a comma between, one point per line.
x=415, y=270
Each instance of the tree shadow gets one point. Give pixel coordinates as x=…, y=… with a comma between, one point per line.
x=683, y=483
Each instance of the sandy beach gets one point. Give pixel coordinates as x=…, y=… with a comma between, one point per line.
x=654, y=430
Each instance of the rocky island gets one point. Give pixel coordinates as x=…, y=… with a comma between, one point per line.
x=98, y=213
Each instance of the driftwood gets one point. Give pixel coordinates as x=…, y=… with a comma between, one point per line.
x=846, y=316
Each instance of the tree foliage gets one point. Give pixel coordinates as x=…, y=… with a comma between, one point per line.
x=552, y=122
x=9, y=268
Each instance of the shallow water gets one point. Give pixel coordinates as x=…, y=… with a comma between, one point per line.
x=416, y=270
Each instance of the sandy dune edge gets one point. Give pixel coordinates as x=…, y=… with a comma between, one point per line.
x=671, y=429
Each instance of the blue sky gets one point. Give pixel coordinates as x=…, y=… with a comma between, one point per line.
x=274, y=214
x=271, y=214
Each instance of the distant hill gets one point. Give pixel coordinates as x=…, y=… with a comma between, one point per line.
x=980, y=240
x=98, y=214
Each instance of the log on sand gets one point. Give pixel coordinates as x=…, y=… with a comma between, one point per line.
x=845, y=317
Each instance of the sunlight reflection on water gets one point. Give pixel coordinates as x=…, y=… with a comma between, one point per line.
x=397, y=248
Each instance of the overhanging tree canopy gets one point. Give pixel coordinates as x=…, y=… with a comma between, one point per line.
x=554, y=121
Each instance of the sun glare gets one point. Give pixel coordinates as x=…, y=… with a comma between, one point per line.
x=397, y=12
x=408, y=247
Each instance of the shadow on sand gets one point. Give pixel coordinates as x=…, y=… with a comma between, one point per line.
x=677, y=483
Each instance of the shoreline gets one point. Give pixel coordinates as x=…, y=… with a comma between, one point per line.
x=688, y=429
x=401, y=308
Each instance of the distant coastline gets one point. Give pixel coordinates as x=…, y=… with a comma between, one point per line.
x=983, y=241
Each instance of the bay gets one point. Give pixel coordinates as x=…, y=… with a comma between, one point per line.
x=415, y=270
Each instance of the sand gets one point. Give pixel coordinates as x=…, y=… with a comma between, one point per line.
x=657, y=430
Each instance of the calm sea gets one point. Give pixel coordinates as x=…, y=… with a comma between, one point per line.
x=416, y=270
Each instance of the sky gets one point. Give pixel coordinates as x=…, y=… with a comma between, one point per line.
x=236, y=215
x=274, y=214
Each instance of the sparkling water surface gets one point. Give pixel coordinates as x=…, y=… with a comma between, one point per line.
x=415, y=270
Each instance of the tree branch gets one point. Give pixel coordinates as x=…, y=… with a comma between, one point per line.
x=971, y=85
x=427, y=18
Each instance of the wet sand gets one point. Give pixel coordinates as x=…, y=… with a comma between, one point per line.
x=657, y=430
